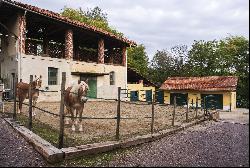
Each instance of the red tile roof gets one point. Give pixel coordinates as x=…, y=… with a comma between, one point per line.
x=57, y=16
x=209, y=83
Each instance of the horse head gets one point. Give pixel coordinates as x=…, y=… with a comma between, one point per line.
x=82, y=91
x=37, y=83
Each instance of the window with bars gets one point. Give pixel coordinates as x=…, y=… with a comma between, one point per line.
x=112, y=78
x=52, y=76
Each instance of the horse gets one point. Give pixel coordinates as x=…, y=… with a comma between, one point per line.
x=23, y=92
x=74, y=99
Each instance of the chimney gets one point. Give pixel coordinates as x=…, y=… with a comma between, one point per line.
x=140, y=81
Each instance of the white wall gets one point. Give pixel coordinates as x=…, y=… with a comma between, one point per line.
x=37, y=65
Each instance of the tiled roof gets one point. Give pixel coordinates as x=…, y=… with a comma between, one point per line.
x=209, y=83
x=57, y=16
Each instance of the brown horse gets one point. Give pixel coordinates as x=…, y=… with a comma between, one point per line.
x=74, y=98
x=23, y=92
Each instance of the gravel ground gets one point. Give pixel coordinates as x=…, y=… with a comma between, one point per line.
x=212, y=144
x=15, y=151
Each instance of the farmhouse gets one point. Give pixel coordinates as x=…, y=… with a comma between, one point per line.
x=218, y=91
x=139, y=87
x=36, y=41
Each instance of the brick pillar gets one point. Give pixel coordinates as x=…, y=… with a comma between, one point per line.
x=101, y=51
x=124, y=56
x=22, y=32
x=69, y=44
x=45, y=43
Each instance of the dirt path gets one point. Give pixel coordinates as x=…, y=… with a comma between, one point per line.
x=15, y=151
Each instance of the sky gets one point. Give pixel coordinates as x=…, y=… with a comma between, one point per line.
x=162, y=24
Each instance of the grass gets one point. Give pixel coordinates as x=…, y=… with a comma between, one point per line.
x=47, y=132
x=97, y=160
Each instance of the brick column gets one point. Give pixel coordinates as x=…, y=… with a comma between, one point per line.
x=124, y=56
x=45, y=43
x=22, y=32
x=101, y=51
x=69, y=44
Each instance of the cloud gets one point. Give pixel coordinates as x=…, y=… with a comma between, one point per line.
x=161, y=24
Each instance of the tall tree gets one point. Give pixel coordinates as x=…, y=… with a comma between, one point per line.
x=95, y=17
x=138, y=59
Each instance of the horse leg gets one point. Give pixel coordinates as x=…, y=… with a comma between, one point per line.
x=34, y=104
x=20, y=103
x=80, y=119
x=67, y=119
x=73, y=120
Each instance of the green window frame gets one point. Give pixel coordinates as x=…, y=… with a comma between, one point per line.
x=112, y=78
x=52, y=76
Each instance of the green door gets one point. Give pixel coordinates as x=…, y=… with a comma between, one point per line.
x=181, y=98
x=212, y=101
x=134, y=96
x=149, y=95
x=160, y=96
x=92, y=82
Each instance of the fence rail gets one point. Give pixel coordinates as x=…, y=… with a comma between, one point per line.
x=118, y=117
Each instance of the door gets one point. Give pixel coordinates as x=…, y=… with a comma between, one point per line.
x=134, y=96
x=92, y=82
x=212, y=101
x=149, y=95
x=160, y=96
x=181, y=98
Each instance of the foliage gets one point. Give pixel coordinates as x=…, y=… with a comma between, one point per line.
x=168, y=63
x=138, y=59
x=94, y=17
x=229, y=56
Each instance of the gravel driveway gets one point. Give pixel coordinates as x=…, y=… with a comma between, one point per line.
x=15, y=151
x=209, y=144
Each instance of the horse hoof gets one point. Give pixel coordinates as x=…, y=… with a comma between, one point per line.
x=73, y=129
x=81, y=129
x=66, y=122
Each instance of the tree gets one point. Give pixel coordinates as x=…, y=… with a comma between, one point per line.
x=95, y=17
x=229, y=56
x=138, y=59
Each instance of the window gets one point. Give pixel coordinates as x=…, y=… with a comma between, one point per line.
x=112, y=78
x=52, y=76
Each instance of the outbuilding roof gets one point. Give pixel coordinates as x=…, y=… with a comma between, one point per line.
x=66, y=20
x=208, y=83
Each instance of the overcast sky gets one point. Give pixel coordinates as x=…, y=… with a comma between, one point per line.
x=161, y=24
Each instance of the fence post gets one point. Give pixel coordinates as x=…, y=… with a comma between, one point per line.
x=118, y=117
x=174, y=110
x=30, y=103
x=196, y=108
x=153, y=112
x=187, y=110
x=14, y=94
x=61, y=133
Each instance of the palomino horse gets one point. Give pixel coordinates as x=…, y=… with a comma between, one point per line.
x=75, y=97
x=23, y=92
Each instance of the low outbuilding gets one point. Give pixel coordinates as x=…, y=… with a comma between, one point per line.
x=215, y=91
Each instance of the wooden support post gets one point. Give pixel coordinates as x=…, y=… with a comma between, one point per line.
x=196, y=108
x=174, y=110
x=187, y=110
x=30, y=103
x=61, y=133
x=153, y=112
x=118, y=117
x=14, y=94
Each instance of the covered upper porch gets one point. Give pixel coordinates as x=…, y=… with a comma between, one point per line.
x=44, y=33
